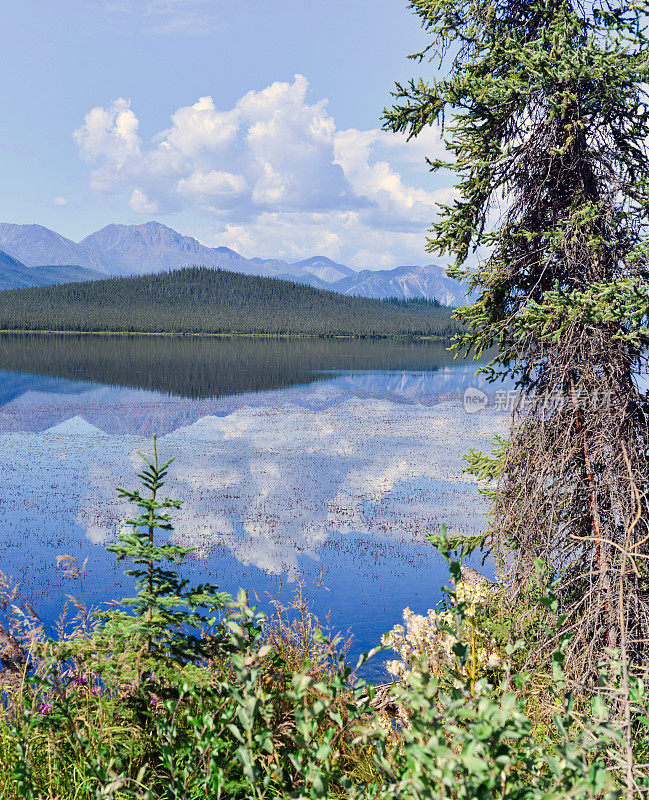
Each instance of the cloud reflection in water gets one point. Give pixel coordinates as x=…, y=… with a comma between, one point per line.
x=273, y=482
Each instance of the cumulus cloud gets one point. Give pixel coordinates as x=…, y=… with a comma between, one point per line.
x=59, y=201
x=109, y=137
x=273, y=174
x=141, y=204
x=395, y=205
x=199, y=129
x=212, y=183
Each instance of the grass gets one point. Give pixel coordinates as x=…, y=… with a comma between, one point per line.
x=182, y=692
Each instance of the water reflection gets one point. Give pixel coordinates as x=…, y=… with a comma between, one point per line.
x=341, y=470
x=202, y=367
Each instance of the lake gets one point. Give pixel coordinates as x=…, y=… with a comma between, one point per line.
x=317, y=461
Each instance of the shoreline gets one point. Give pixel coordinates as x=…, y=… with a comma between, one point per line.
x=229, y=335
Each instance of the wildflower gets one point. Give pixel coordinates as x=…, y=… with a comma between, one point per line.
x=79, y=680
x=96, y=690
x=429, y=640
x=153, y=702
x=46, y=708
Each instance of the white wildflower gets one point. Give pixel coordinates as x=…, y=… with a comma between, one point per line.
x=427, y=640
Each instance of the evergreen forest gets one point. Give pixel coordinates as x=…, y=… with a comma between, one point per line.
x=201, y=300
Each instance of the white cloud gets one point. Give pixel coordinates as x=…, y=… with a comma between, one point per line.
x=59, y=201
x=396, y=205
x=141, y=204
x=110, y=134
x=212, y=183
x=200, y=128
x=273, y=174
x=109, y=137
x=165, y=17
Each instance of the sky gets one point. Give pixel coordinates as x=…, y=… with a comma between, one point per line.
x=254, y=124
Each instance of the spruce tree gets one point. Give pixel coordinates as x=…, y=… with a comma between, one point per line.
x=544, y=110
x=162, y=625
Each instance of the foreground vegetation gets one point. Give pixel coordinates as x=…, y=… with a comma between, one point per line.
x=201, y=300
x=181, y=692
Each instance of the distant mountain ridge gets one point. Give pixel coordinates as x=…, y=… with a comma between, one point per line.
x=34, y=245
x=15, y=275
x=407, y=283
x=118, y=250
x=325, y=269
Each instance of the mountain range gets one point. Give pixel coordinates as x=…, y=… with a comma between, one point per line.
x=15, y=275
x=119, y=250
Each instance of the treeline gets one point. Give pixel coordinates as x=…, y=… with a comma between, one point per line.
x=202, y=300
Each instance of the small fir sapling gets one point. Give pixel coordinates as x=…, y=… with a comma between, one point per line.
x=167, y=613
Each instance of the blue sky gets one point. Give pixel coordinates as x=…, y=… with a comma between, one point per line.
x=252, y=124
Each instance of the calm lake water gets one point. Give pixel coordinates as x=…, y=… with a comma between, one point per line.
x=325, y=461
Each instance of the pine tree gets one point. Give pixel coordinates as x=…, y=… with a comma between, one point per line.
x=167, y=615
x=546, y=121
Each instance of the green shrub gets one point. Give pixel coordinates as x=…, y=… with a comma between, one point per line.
x=234, y=706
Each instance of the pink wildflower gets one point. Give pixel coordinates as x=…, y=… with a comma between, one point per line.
x=46, y=708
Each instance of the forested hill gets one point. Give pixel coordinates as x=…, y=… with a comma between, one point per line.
x=201, y=300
